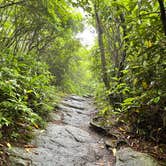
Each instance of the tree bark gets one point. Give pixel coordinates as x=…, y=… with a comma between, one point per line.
x=102, y=51
x=163, y=14
x=123, y=58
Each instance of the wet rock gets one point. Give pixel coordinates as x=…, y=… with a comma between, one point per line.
x=111, y=143
x=61, y=145
x=129, y=157
x=55, y=117
x=115, y=143
x=67, y=143
x=94, y=123
x=78, y=98
x=75, y=117
x=76, y=106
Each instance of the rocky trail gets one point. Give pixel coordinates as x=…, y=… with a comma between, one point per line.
x=70, y=140
x=67, y=140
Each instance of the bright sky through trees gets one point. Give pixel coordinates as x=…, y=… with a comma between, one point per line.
x=87, y=37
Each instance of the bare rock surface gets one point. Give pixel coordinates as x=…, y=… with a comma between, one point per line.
x=69, y=143
x=129, y=157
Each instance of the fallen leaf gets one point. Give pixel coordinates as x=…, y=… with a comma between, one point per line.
x=41, y=131
x=1, y=145
x=121, y=129
x=114, y=151
x=8, y=145
x=28, y=149
x=36, y=126
x=29, y=146
x=101, y=146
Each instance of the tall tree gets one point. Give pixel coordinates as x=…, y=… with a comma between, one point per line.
x=163, y=14
x=101, y=47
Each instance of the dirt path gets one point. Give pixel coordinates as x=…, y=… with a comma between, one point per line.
x=67, y=140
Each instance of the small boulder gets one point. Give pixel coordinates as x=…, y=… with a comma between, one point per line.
x=129, y=157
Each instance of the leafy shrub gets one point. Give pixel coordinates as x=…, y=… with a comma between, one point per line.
x=26, y=96
x=143, y=106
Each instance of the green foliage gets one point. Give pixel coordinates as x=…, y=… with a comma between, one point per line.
x=147, y=90
x=134, y=44
x=39, y=54
x=78, y=79
x=25, y=93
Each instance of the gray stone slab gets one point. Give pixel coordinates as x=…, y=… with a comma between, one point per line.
x=63, y=144
x=129, y=157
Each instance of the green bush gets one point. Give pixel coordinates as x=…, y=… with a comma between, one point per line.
x=26, y=96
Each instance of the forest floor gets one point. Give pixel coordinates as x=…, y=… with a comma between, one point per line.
x=67, y=140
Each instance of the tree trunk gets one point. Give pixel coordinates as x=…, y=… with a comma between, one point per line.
x=123, y=58
x=102, y=52
x=163, y=15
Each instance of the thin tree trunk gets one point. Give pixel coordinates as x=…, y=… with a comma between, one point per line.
x=102, y=52
x=123, y=58
x=163, y=14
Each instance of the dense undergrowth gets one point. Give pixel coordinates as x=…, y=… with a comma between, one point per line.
x=128, y=62
x=26, y=94
x=40, y=60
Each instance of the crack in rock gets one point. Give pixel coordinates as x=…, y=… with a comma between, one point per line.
x=77, y=139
